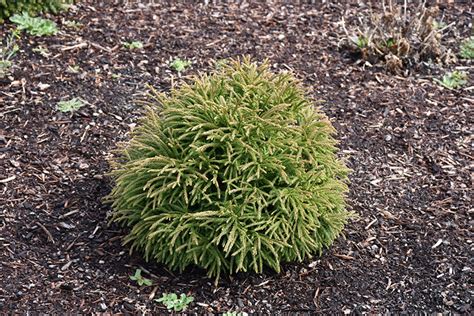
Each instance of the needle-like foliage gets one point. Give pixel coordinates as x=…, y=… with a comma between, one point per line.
x=234, y=172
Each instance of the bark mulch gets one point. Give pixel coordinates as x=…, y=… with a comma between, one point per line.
x=408, y=141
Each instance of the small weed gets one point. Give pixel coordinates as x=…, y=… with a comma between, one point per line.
x=116, y=76
x=6, y=54
x=360, y=41
x=71, y=105
x=140, y=279
x=467, y=48
x=42, y=51
x=34, y=25
x=171, y=301
x=180, y=65
x=72, y=24
x=133, y=45
x=453, y=80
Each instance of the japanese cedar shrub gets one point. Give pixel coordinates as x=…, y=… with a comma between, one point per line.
x=233, y=172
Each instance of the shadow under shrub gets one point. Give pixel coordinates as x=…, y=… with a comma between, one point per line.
x=233, y=172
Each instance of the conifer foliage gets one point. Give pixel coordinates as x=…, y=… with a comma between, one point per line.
x=233, y=172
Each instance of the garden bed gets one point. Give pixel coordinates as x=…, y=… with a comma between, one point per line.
x=407, y=140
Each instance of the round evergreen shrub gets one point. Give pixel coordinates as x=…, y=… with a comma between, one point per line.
x=233, y=172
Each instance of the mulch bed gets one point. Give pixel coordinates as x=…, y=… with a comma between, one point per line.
x=408, y=141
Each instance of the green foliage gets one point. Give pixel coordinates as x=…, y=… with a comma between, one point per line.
x=133, y=45
x=218, y=64
x=172, y=302
x=467, y=48
x=71, y=105
x=233, y=172
x=7, y=52
x=360, y=41
x=140, y=279
x=34, y=25
x=12, y=7
x=453, y=80
x=180, y=65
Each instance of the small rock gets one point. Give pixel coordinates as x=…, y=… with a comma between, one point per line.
x=43, y=86
x=83, y=166
x=65, y=225
x=14, y=163
x=103, y=306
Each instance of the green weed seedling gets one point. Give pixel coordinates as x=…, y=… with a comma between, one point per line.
x=467, y=48
x=360, y=41
x=140, y=279
x=453, y=80
x=6, y=54
x=34, y=25
x=133, y=45
x=172, y=302
x=180, y=65
x=71, y=105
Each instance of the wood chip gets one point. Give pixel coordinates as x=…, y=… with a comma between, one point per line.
x=8, y=179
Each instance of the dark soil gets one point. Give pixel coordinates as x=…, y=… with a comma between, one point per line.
x=408, y=141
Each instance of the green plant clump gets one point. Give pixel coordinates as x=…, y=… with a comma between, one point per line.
x=180, y=65
x=34, y=25
x=70, y=106
x=467, y=48
x=9, y=7
x=453, y=80
x=133, y=45
x=172, y=302
x=233, y=172
x=140, y=279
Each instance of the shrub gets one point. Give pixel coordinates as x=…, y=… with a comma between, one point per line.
x=398, y=36
x=233, y=172
x=9, y=8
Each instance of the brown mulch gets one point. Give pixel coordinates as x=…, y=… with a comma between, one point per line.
x=408, y=141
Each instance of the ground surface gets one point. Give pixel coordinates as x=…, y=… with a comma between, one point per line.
x=407, y=140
